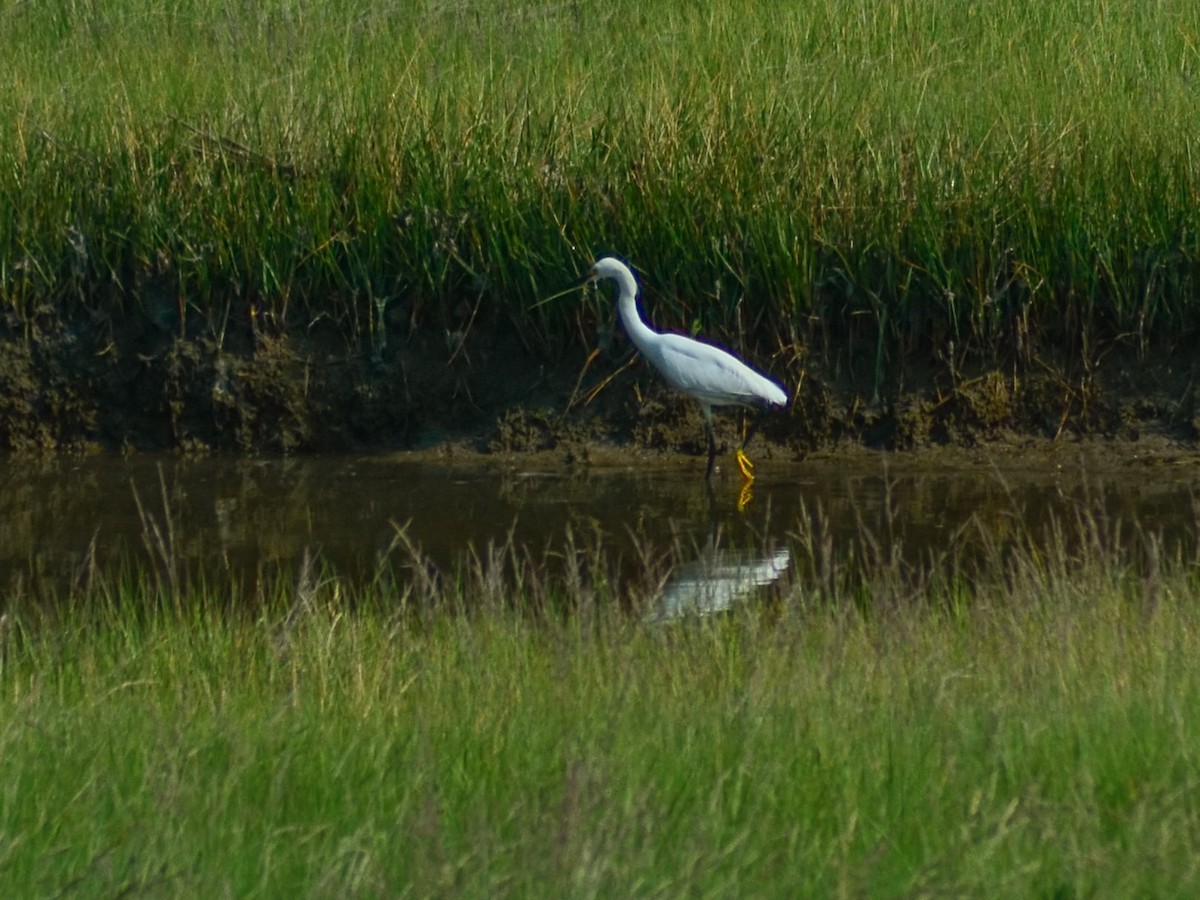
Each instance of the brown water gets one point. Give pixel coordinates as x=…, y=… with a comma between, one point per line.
x=253, y=517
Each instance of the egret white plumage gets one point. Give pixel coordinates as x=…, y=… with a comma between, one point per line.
x=706, y=373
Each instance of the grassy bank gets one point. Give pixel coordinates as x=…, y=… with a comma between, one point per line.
x=1028, y=731
x=361, y=197
x=939, y=171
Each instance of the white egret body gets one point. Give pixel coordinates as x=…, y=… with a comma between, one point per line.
x=708, y=374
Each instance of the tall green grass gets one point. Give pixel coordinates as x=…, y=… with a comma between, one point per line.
x=897, y=177
x=874, y=729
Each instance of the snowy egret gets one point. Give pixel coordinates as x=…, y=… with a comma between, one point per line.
x=706, y=373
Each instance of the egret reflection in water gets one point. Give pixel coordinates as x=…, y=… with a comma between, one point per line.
x=717, y=580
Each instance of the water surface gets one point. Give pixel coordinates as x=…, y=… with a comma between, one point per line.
x=250, y=517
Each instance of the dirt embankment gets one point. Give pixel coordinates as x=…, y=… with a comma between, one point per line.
x=87, y=386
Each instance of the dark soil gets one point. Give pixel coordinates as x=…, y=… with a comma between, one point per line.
x=96, y=385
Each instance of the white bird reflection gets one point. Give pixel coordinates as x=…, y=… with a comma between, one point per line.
x=717, y=580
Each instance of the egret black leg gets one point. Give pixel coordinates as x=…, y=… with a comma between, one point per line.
x=712, y=448
x=712, y=440
x=753, y=430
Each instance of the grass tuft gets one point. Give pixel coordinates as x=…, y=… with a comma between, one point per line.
x=1021, y=719
x=956, y=178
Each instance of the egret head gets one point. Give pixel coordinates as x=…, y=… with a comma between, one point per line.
x=611, y=267
x=608, y=267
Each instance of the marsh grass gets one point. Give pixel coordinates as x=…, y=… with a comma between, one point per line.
x=838, y=178
x=1024, y=725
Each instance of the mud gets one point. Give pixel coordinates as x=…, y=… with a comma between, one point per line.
x=142, y=384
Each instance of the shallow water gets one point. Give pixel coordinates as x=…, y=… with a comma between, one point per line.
x=254, y=517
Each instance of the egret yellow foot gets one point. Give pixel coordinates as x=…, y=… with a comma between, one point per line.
x=745, y=465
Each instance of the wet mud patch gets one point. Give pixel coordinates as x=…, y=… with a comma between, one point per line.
x=43, y=407
x=526, y=431
x=72, y=388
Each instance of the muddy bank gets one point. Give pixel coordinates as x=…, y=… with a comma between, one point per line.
x=85, y=386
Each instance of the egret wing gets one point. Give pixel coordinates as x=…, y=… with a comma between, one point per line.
x=713, y=375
